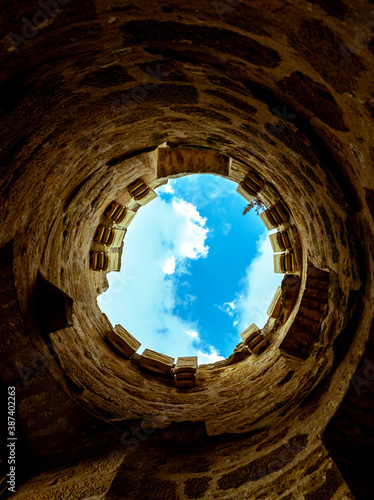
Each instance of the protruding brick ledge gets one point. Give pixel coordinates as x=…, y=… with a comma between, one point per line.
x=304, y=331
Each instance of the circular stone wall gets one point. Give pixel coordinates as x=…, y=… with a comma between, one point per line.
x=87, y=106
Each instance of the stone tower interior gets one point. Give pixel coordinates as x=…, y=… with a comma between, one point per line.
x=98, y=94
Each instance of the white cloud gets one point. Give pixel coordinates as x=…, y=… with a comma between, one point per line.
x=188, y=210
x=166, y=188
x=192, y=334
x=191, y=242
x=169, y=266
x=159, y=246
x=189, y=299
x=142, y=297
x=211, y=357
x=169, y=189
x=259, y=286
x=229, y=308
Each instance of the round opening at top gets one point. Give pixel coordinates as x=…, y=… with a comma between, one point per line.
x=195, y=271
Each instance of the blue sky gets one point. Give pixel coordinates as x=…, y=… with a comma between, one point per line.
x=195, y=271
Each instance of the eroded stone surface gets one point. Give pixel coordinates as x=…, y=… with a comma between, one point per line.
x=283, y=88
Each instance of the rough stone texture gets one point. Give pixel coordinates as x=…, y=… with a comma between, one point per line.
x=349, y=435
x=304, y=331
x=284, y=88
x=82, y=480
